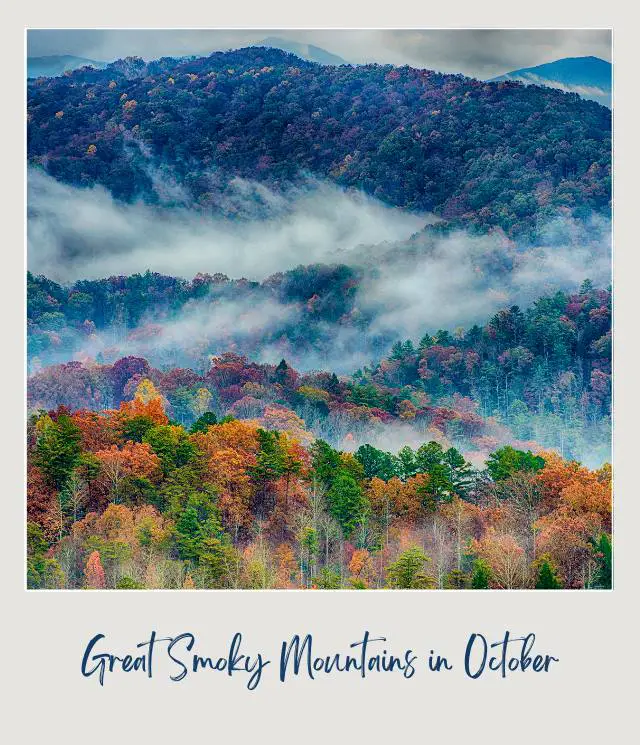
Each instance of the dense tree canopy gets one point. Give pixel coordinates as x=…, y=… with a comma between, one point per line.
x=488, y=154
x=543, y=372
x=235, y=505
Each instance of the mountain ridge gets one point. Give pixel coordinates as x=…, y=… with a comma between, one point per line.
x=484, y=154
x=589, y=77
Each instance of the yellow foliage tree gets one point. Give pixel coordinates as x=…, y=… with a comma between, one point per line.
x=201, y=401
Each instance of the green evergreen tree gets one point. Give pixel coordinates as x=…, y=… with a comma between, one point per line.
x=377, y=463
x=425, y=342
x=327, y=579
x=407, y=571
x=456, y=580
x=605, y=552
x=506, y=461
x=547, y=577
x=270, y=462
x=325, y=462
x=346, y=501
x=136, y=428
x=480, y=576
x=203, y=423
x=128, y=583
x=219, y=562
x=408, y=465
x=58, y=448
x=280, y=374
x=460, y=471
x=438, y=487
x=172, y=445
x=42, y=572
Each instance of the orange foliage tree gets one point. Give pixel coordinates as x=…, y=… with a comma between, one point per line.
x=94, y=572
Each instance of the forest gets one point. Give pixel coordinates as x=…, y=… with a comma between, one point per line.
x=482, y=155
x=390, y=367
x=127, y=499
x=543, y=373
x=257, y=476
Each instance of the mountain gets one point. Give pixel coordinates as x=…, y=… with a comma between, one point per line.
x=476, y=154
x=304, y=51
x=58, y=64
x=589, y=77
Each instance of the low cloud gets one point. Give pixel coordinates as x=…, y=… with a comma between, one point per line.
x=481, y=53
x=464, y=279
x=410, y=285
x=78, y=233
x=582, y=90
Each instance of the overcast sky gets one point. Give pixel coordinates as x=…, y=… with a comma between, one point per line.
x=479, y=53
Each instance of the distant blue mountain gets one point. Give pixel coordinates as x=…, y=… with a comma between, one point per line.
x=304, y=51
x=590, y=77
x=58, y=64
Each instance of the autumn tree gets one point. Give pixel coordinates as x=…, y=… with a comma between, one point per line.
x=94, y=573
x=132, y=459
x=504, y=557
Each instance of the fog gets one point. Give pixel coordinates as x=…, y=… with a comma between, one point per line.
x=464, y=279
x=412, y=282
x=76, y=233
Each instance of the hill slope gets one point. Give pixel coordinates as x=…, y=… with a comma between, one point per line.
x=590, y=77
x=485, y=154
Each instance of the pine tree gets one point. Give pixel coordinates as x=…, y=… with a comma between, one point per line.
x=604, y=549
x=203, y=423
x=281, y=372
x=460, y=471
x=219, y=562
x=326, y=462
x=480, y=576
x=547, y=577
x=407, y=571
x=456, y=580
x=346, y=501
x=58, y=448
x=188, y=534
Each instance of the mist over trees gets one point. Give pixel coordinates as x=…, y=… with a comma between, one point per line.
x=541, y=373
x=316, y=327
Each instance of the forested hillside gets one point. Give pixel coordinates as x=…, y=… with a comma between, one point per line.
x=126, y=499
x=485, y=155
x=391, y=367
x=542, y=373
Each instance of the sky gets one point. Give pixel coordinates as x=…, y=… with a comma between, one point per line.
x=481, y=53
